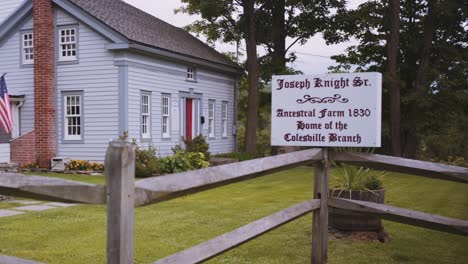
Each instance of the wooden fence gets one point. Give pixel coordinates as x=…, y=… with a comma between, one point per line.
x=122, y=194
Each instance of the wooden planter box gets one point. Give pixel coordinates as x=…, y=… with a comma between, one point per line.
x=351, y=221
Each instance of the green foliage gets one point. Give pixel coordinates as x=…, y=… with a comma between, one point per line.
x=147, y=162
x=183, y=222
x=183, y=161
x=124, y=137
x=353, y=178
x=198, y=144
x=97, y=167
x=448, y=128
x=263, y=143
x=78, y=165
x=455, y=161
x=436, y=113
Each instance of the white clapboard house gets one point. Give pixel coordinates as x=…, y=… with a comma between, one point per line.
x=83, y=72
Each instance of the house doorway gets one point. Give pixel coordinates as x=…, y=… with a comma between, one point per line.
x=190, y=117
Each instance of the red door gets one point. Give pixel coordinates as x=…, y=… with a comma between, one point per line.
x=188, y=119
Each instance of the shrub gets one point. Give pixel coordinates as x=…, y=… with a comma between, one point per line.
x=198, y=144
x=30, y=165
x=78, y=165
x=183, y=161
x=348, y=177
x=147, y=162
x=97, y=167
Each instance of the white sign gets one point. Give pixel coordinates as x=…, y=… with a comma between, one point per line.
x=331, y=110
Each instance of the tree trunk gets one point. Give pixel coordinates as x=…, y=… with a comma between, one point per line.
x=429, y=32
x=421, y=84
x=278, y=57
x=393, y=80
x=253, y=71
x=278, y=32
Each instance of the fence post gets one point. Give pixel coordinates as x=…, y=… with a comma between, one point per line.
x=320, y=216
x=120, y=190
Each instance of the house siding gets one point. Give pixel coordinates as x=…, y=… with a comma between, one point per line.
x=160, y=77
x=4, y=153
x=7, y=7
x=97, y=77
x=19, y=79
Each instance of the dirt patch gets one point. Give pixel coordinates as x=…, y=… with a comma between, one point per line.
x=6, y=198
x=376, y=236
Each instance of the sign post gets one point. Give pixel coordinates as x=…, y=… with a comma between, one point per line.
x=331, y=110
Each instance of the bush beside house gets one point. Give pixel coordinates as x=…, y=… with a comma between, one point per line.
x=195, y=156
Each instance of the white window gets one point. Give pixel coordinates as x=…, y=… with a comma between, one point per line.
x=190, y=73
x=211, y=118
x=166, y=129
x=27, y=42
x=145, y=115
x=67, y=44
x=224, y=117
x=73, y=117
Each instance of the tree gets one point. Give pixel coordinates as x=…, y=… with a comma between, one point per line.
x=296, y=20
x=393, y=80
x=231, y=21
x=261, y=22
x=432, y=55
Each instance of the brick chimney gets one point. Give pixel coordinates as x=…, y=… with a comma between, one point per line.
x=44, y=82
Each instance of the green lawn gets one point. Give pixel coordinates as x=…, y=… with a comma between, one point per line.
x=8, y=205
x=77, y=234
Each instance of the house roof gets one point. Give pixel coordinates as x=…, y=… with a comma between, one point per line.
x=143, y=28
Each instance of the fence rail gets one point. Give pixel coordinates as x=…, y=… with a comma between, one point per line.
x=405, y=216
x=240, y=235
x=156, y=189
x=409, y=166
x=51, y=189
x=122, y=194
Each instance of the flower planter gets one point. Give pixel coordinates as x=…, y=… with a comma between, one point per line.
x=351, y=221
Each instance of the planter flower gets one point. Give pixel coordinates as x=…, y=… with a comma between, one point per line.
x=356, y=183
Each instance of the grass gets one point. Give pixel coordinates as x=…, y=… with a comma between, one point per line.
x=77, y=234
x=9, y=205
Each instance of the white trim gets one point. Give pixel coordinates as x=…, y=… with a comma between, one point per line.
x=23, y=135
x=15, y=112
x=145, y=115
x=27, y=49
x=196, y=103
x=68, y=43
x=5, y=153
x=211, y=118
x=224, y=118
x=166, y=115
x=78, y=114
x=191, y=73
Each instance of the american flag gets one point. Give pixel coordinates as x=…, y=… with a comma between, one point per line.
x=6, y=117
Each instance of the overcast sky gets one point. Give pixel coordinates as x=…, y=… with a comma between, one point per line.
x=313, y=57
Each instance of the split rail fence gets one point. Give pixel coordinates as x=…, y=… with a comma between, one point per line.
x=122, y=194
